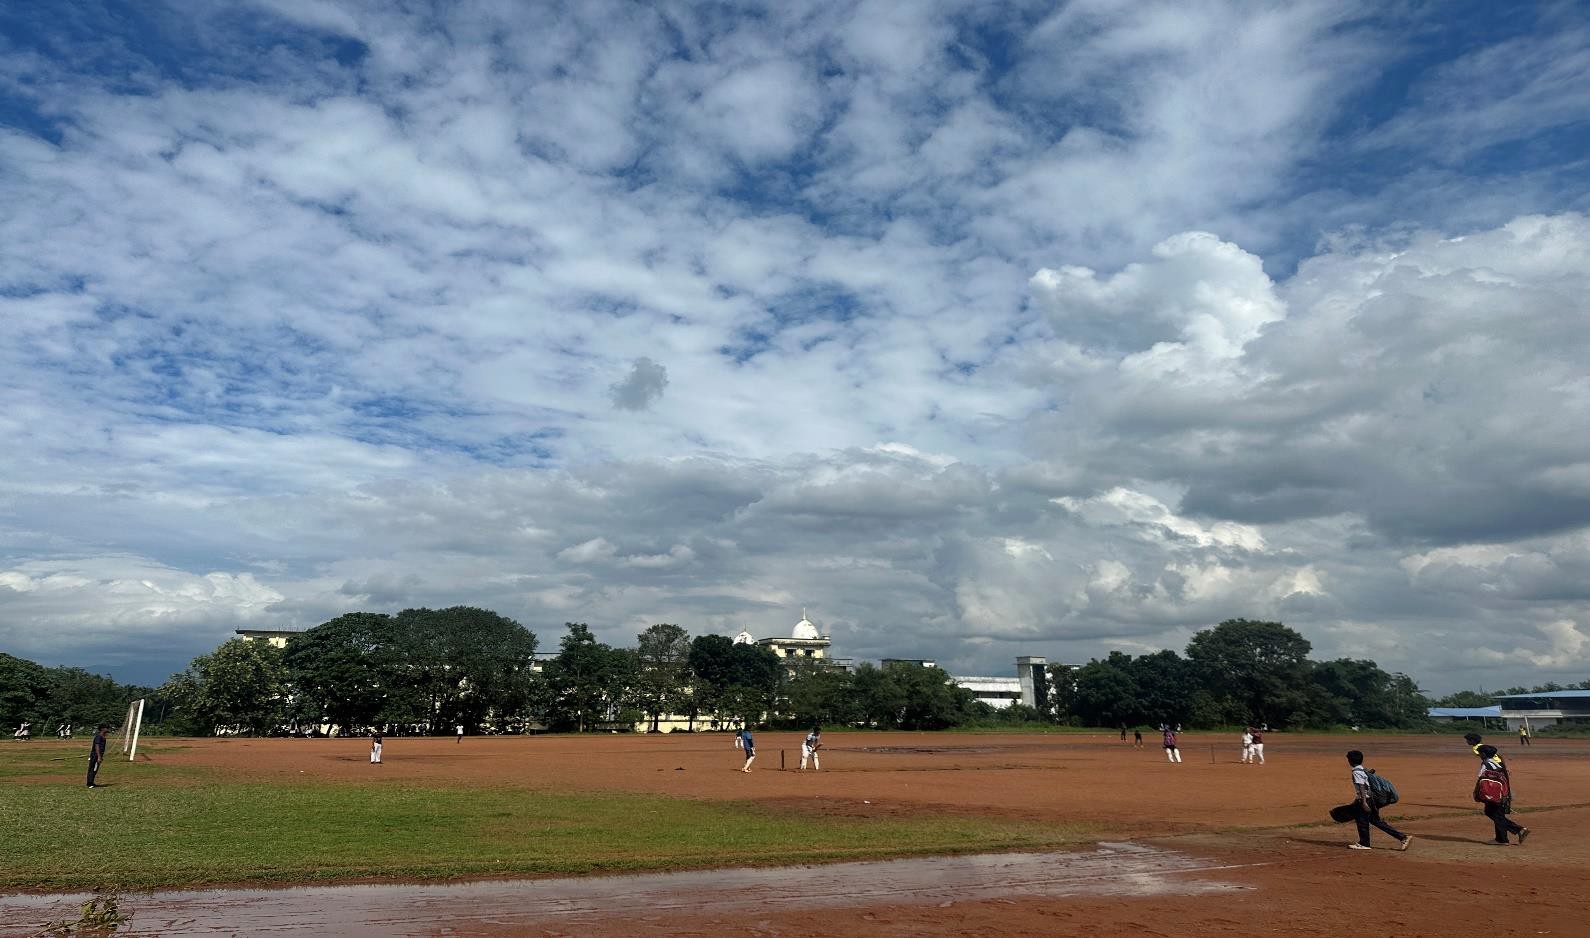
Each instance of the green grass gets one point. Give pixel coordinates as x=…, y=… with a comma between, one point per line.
x=135, y=835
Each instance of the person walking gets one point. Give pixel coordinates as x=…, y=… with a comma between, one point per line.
x=1256, y=749
x=1247, y=744
x=460, y=732
x=1137, y=739
x=749, y=745
x=96, y=754
x=1523, y=734
x=809, y=747
x=1366, y=810
x=1493, y=787
x=1172, y=754
x=1475, y=741
x=375, y=748
x=1123, y=732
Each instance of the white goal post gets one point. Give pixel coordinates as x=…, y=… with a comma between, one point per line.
x=130, y=728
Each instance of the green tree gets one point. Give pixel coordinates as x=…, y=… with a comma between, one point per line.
x=82, y=699
x=1164, y=687
x=463, y=664
x=1467, y=698
x=344, y=671
x=1254, y=670
x=711, y=671
x=241, y=683
x=587, y=682
x=24, y=692
x=879, y=697
x=1106, y=693
x=662, y=684
x=818, y=695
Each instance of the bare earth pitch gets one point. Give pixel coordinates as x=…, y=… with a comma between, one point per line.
x=1248, y=853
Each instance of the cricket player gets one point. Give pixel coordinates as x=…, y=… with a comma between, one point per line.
x=749, y=745
x=1258, y=747
x=813, y=742
x=375, y=749
x=1247, y=744
x=1172, y=754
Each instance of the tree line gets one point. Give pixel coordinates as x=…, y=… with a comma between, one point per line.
x=46, y=698
x=430, y=669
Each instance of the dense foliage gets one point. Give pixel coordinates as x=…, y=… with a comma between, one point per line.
x=428, y=670
x=45, y=698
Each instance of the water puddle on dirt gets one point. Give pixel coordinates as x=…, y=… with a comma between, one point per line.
x=428, y=909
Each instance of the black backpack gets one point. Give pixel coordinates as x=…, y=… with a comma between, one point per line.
x=1381, y=792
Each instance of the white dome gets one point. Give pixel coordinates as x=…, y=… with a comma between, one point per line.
x=805, y=629
x=744, y=638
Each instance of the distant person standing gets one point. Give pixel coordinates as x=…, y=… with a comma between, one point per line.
x=739, y=738
x=749, y=745
x=375, y=748
x=1367, y=811
x=1523, y=734
x=460, y=732
x=1123, y=732
x=96, y=754
x=1172, y=753
x=1493, y=788
x=809, y=747
x=1256, y=750
x=1137, y=739
x=1247, y=744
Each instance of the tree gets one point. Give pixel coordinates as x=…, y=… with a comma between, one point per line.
x=818, y=695
x=465, y=665
x=241, y=683
x=711, y=670
x=587, y=682
x=1254, y=670
x=662, y=683
x=24, y=692
x=1165, y=685
x=343, y=671
x=1106, y=693
x=82, y=699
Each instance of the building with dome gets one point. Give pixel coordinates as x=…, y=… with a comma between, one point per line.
x=804, y=641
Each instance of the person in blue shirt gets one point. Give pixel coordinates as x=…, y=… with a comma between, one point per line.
x=749, y=745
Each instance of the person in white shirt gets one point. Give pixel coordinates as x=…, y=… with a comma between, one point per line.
x=812, y=743
x=1247, y=744
x=1367, y=811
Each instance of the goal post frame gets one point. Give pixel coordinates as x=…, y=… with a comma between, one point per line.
x=130, y=729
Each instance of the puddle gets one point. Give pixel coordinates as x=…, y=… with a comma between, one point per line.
x=1115, y=869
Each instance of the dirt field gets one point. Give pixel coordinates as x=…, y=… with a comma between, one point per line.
x=1262, y=827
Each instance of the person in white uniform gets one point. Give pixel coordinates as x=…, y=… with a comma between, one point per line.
x=813, y=742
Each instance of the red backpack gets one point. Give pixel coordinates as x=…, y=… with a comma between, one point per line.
x=1492, y=786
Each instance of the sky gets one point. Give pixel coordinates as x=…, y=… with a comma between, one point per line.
x=974, y=330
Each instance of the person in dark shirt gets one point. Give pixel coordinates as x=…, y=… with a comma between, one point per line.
x=96, y=754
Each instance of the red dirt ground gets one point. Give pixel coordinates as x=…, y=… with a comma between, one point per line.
x=1264, y=820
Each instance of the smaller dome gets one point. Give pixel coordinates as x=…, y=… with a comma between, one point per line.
x=744, y=638
x=805, y=629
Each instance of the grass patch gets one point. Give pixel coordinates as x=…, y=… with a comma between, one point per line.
x=149, y=836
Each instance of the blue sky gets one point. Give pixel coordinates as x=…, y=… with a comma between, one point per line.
x=977, y=330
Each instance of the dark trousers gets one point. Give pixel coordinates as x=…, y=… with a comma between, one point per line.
x=1523, y=740
x=1504, y=825
x=1370, y=816
x=93, y=769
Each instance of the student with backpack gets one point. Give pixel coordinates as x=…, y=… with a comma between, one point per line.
x=1493, y=788
x=1373, y=793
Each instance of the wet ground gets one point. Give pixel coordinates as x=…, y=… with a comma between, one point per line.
x=575, y=905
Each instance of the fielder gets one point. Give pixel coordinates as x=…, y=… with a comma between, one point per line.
x=813, y=742
x=1247, y=744
x=749, y=745
x=1258, y=746
x=1172, y=754
x=375, y=749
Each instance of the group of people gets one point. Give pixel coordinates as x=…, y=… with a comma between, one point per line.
x=1493, y=788
x=1253, y=745
x=745, y=742
x=25, y=731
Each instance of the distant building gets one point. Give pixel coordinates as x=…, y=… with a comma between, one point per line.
x=1545, y=708
x=803, y=642
x=276, y=637
x=912, y=662
x=1030, y=686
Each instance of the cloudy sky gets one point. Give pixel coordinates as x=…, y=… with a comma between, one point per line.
x=976, y=329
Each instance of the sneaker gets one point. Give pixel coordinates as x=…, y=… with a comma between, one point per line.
x=1501, y=843
x=1405, y=842
x=1358, y=847
x=1522, y=834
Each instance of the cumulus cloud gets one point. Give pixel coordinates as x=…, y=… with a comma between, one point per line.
x=987, y=331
